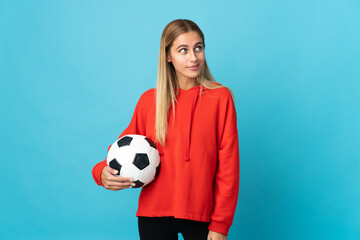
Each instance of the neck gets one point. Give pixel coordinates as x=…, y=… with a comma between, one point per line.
x=186, y=84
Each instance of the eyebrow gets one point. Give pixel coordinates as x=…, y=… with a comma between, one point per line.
x=188, y=46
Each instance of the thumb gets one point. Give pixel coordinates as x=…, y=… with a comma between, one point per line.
x=112, y=171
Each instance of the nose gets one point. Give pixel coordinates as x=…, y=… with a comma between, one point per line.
x=193, y=56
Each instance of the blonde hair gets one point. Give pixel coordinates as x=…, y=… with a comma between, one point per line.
x=167, y=88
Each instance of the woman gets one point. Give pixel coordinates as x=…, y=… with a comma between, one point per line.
x=192, y=120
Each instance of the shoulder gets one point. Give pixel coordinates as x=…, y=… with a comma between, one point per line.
x=222, y=92
x=149, y=92
x=148, y=95
x=146, y=99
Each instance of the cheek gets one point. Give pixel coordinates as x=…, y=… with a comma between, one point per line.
x=201, y=60
x=201, y=57
x=179, y=62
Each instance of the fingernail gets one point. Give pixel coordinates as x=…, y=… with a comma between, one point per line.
x=131, y=180
x=134, y=184
x=116, y=172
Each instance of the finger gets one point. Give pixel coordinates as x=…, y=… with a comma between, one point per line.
x=122, y=185
x=112, y=181
x=116, y=188
x=121, y=179
x=110, y=170
x=113, y=172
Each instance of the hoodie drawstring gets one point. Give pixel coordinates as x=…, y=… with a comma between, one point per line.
x=187, y=146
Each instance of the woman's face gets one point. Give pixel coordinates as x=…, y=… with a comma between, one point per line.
x=187, y=55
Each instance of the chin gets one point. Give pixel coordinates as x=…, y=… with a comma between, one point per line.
x=195, y=75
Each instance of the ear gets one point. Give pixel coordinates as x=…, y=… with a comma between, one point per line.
x=169, y=58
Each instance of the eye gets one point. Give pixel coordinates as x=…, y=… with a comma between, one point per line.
x=181, y=50
x=199, y=47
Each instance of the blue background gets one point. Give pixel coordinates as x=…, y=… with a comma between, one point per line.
x=72, y=71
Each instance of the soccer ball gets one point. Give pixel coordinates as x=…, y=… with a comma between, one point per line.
x=135, y=156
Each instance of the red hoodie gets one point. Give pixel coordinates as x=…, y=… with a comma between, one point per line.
x=199, y=175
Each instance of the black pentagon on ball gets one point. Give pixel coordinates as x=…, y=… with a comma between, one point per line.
x=157, y=170
x=151, y=143
x=138, y=184
x=124, y=141
x=141, y=160
x=115, y=165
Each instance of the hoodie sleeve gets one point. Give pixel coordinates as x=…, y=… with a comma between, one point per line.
x=226, y=182
x=137, y=126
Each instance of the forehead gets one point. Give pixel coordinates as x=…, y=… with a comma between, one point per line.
x=188, y=38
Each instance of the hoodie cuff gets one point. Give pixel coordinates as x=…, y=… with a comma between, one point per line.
x=96, y=172
x=219, y=227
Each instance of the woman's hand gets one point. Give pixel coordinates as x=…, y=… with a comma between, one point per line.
x=216, y=236
x=112, y=182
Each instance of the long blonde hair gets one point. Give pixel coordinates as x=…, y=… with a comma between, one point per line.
x=167, y=87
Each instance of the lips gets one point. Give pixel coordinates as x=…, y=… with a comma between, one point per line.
x=194, y=67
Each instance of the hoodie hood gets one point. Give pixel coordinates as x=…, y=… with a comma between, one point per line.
x=194, y=92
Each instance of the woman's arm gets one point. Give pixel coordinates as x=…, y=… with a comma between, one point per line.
x=226, y=183
x=137, y=125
